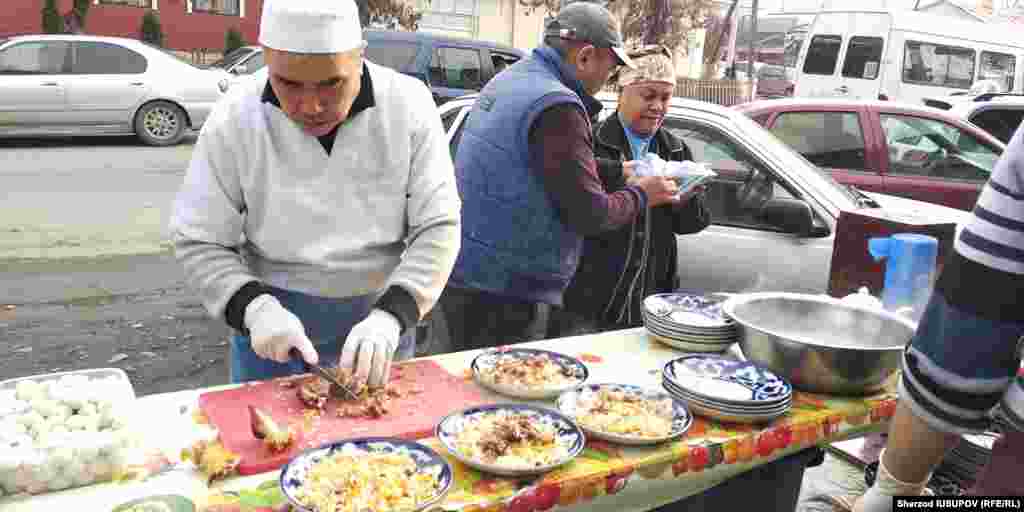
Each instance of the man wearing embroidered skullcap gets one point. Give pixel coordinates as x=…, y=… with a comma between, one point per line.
x=620, y=268
x=319, y=216
x=529, y=182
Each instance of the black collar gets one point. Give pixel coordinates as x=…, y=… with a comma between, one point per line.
x=612, y=134
x=363, y=101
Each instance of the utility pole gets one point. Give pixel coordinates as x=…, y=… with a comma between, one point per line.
x=752, y=52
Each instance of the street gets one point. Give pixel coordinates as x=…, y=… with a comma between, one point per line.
x=87, y=280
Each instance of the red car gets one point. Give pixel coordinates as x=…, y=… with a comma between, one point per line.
x=892, y=148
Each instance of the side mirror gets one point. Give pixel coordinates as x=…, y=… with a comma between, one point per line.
x=241, y=69
x=790, y=215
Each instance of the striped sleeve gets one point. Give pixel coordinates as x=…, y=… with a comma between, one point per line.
x=966, y=351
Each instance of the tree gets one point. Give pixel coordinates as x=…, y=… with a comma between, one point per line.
x=81, y=8
x=53, y=23
x=233, y=40
x=373, y=12
x=645, y=21
x=151, y=31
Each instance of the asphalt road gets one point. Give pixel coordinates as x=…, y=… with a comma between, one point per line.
x=86, y=196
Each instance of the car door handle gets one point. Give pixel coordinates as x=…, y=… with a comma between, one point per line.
x=49, y=84
x=138, y=84
x=843, y=89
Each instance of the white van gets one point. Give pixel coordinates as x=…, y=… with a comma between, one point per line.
x=904, y=55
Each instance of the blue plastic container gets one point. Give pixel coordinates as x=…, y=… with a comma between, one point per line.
x=909, y=269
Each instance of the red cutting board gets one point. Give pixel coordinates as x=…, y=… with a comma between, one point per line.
x=412, y=416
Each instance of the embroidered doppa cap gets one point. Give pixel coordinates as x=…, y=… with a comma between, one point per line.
x=590, y=23
x=653, y=64
x=311, y=26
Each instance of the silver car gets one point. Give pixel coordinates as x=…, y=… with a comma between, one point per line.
x=85, y=85
x=773, y=213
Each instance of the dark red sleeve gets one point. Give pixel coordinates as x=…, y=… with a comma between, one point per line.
x=562, y=152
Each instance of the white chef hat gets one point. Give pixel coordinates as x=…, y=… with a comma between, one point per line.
x=311, y=26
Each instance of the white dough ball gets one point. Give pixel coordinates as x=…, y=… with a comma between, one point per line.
x=27, y=390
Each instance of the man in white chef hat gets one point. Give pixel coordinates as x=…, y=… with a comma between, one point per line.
x=319, y=214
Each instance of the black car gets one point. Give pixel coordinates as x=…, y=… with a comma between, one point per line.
x=451, y=67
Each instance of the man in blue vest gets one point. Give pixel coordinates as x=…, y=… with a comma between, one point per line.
x=529, y=183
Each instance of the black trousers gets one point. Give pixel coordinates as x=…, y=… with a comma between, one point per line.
x=479, y=319
x=772, y=487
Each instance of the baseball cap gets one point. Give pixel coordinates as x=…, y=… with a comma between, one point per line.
x=591, y=23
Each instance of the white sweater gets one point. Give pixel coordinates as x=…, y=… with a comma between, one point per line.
x=382, y=209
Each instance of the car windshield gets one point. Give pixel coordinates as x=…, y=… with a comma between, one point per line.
x=819, y=178
x=231, y=58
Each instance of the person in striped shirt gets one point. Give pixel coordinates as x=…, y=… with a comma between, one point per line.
x=962, y=363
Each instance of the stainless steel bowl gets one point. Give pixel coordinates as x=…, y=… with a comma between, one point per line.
x=820, y=343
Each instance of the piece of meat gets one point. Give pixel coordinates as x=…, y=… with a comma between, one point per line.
x=313, y=393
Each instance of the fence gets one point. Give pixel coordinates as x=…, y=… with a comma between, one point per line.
x=722, y=92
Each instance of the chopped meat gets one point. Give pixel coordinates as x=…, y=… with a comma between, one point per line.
x=313, y=393
x=493, y=447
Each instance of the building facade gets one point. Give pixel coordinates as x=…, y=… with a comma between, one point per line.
x=188, y=25
x=201, y=25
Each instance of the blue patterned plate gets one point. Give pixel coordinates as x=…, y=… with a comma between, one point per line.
x=575, y=403
x=573, y=373
x=727, y=380
x=293, y=475
x=683, y=309
x=690, y=398
x=459, y=434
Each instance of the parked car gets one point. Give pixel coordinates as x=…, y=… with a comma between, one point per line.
x=999, y=115
x=85, y=85
x=894, y=148
x=773, y=213
x=451, y=67
x=241, y=61
x=774, y=81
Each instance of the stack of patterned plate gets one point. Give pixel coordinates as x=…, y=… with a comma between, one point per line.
x=727, y=389
x=693, y=323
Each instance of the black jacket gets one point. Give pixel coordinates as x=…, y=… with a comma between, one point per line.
x=618, y=269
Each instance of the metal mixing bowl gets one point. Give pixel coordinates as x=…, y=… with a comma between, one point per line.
x=819, y=343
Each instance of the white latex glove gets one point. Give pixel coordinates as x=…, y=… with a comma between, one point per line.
x=274, y=331
x=370, y=347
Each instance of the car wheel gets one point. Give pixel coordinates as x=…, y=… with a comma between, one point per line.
x=160, y=123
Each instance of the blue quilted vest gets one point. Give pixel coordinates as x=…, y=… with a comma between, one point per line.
x=513, y=242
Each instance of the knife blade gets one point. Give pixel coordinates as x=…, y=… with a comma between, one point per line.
x=324, y=374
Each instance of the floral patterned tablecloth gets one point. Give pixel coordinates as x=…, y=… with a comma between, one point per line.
x=605, y=476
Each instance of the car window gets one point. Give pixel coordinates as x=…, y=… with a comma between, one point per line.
x=458, y=68
x=397, y=55
x=500, y=61
x=449, y=117
x=35, y=58
x=827, y=139
x=863, y=56
x=255, y=63
x=999, y=67
x=938, y=64
x=231, y=58
x=822, y=55
x=94, y=58
x=454, y=144
x=1002, y=123
x=743, y=184
x=927, y=147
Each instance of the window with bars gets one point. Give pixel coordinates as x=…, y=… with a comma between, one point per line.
x=145, y=4
x=226, y=7
x=457, y=15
